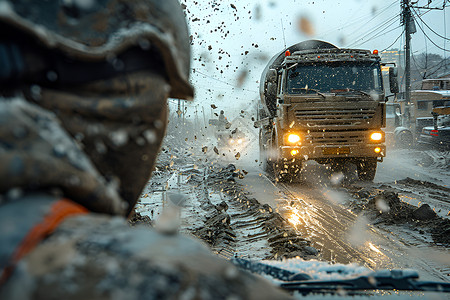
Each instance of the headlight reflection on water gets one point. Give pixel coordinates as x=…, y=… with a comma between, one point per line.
x=295, y=216
x=373, y=248
x=294, y=219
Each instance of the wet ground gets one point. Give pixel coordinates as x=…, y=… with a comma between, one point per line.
x=401, y=220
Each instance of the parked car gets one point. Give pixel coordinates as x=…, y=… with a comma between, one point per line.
x=439, y=134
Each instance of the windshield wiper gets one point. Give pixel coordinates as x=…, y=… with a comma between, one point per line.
x=405, y=280
x=313, y=90
x=346, y=90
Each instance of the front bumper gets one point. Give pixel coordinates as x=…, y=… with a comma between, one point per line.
x=333, y=151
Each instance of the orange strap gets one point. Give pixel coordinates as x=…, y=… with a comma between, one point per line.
x=60, y=210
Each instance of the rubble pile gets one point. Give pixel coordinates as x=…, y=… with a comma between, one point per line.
x=386, y=208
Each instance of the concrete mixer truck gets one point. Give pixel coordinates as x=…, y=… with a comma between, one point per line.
x=323, y=103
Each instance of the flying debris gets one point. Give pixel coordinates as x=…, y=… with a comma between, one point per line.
x=305, y=26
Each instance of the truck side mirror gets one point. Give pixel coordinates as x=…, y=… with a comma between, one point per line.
x=393, y=81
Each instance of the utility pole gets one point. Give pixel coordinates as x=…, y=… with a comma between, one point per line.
x=406, y=20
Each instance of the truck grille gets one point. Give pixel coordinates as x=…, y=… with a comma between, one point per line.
x=336, y=138
x=334, y=116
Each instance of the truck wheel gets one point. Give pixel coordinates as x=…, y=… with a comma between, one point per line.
x=265, y=164
x=285, y=177
x=367, y=169
x=279, y=172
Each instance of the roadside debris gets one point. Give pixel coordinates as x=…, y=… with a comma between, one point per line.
x=386, y=208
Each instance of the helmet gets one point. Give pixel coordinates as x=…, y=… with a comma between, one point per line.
x=105, y=68
x=98, y=30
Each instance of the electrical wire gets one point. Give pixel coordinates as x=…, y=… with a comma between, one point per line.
x=445, y=33
x=375, y=29
x=436, y=70
x=431, y=39
x=361, y=18
x=393, y=42
x=380, y=34
x=391, y=20
x=423, y=22
x=417, y=67
x=227, y=83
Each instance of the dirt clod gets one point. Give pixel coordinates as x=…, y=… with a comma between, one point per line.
x=424, y=213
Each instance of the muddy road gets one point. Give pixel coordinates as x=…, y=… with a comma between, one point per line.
x=334, y=212
x=342, y=233
x=401, y=220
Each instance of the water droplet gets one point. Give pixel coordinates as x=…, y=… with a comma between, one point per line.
x=100, y=147
x=150, y=136
x=35, y=91
x=52, y=76
x=144, y=44
x=119, y=137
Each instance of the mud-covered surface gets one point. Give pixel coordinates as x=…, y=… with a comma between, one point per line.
x=223, y=197
x=215, y=206
x=239, y=221
x=421, y=204
x=386, y=208
x=220, y=212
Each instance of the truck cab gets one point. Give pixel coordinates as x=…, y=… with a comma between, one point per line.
x=326, y=104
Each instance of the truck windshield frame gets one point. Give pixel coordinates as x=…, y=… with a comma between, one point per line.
x=329, y=77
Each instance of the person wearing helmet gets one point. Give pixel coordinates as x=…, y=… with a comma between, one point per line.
x=223, y=122
x=83, y=90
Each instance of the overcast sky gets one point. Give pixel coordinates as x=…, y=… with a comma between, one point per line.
x=233, y=40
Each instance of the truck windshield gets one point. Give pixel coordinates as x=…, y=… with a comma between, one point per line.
x=327, y=77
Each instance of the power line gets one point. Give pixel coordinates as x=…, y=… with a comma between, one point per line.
x=360, y=18
x=423, y=22
x=227, y=83
x=365, y=34
x=418, y=68
x=430, y=8
x=431, y=39
x=393, y=42
x=391, y=19
x=445, y=32
x=381, y=33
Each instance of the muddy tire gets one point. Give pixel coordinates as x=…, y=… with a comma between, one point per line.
x=265, y=164
x=281, y=173
x=367, y=169
x=285, y=177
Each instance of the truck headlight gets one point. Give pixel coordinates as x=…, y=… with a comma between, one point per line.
x=293, y=138
x=376, y=136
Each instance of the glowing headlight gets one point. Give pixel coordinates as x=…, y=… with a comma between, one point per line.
x=293, y=138
x=294, y=152
x=376, y=136
x=240, y=141
x=231, y=141
x=377, y=150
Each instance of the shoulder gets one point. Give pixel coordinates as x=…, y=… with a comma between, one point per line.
x=103, y=257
